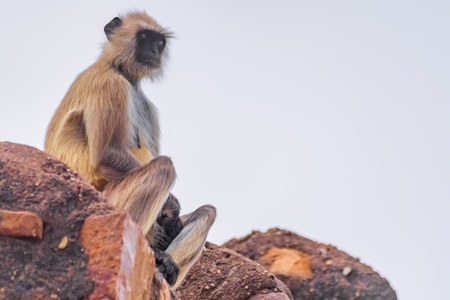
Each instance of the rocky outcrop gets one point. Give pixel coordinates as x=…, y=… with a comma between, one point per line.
x=312, y=270
x=222, y=274
x=59, y=239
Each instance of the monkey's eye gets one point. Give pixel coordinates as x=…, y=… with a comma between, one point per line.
x=143, y=35
x=160, y=43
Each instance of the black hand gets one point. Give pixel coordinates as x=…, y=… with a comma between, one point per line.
x=166, y=266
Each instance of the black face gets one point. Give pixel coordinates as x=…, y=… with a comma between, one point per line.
x=149, y=48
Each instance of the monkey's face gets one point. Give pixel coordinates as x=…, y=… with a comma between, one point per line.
x=149, y=48
x=137, y=45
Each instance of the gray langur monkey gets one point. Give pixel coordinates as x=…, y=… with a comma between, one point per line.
x=107, y=130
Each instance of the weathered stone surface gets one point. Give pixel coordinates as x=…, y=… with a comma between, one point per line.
x=129, y=265
x=20, y=224
x=271, y=296
x=222, y=274
x=57, y=266
x=161, y=289
x=312, y=270
x=33, y=181
x=284, y=261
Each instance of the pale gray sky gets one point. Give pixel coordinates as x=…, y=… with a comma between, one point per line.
x=328, y=118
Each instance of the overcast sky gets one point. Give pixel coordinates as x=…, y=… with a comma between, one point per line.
x=327, y=118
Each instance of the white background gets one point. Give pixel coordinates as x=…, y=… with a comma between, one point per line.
x=328, y=118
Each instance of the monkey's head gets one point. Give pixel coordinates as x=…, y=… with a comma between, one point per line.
x=137, y=45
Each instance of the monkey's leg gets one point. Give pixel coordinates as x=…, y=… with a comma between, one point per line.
x=186, y=248
x=143, y=192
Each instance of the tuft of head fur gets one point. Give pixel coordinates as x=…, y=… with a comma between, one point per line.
x=120, y=47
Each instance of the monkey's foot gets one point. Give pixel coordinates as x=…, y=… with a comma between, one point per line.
x=166, y=266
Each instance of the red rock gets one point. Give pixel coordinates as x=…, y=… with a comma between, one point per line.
x=222, y=274
x=312, y=270
x=57, y=266
x=160, y=289
x=284, y=261
x=120, y=261
x=20, y=224
x=271, y=296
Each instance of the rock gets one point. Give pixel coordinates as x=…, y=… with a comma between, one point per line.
x=86, y=245
x=129, y=267
x=222, y=274
x=312, y=270
x=271, y=296
x=60, y=239
x=160, y=289
x=20, y=224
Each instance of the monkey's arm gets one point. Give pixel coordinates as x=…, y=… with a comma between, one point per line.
x=114, y=163
x=167, y=227
x=170, y=223
x=107, y=130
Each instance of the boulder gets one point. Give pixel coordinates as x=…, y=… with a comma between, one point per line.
x=60, y=239
x=222, y=274
x=312, y=270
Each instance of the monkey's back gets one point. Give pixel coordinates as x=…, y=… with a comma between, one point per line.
x=95, y=89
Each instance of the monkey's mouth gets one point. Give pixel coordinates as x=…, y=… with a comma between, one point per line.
x=151, y=62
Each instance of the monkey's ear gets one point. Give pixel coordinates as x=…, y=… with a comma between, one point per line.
x=112, y=26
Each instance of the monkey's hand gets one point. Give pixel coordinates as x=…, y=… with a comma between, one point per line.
x=166, y=266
